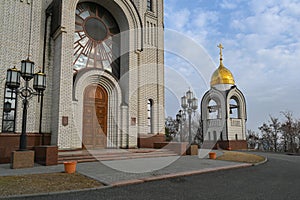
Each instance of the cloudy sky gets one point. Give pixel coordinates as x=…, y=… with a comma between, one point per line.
x=261, y=42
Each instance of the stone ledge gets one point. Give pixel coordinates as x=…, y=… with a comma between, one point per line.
x=192, y=150
x=22, y=159
x=178, y=147
x=46, y=155
x=148, y=140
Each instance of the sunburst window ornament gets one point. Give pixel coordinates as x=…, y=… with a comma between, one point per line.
x=95, y=42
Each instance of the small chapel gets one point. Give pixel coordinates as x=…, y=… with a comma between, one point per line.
x=104, y=67
x=223, y=112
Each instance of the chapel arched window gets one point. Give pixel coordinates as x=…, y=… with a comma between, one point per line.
x=233, y=109
x=96, y=39
x=213, y=110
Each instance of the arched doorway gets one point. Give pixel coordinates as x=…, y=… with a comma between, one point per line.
x=94, y=133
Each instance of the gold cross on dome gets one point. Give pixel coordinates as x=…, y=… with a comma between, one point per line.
x=221, y=47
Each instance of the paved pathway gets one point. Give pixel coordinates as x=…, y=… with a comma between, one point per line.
x=119, y=172
x=122, y=172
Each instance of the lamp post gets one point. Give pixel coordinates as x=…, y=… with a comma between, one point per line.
x=26, y=92
x=189, y=103
x=180, y=118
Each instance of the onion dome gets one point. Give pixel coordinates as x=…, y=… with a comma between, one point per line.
x=222, y=75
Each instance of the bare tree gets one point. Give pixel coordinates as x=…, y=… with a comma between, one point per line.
x=266, y=136
x=196, y=129
x=290, y=129
x=252, y=139
x=275, y=130
x=171, y=128
x=270, y=134
x=199, y=134
x=298, y=135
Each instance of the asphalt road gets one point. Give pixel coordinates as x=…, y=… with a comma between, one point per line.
x=279, y=178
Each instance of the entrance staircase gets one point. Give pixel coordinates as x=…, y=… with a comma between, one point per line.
x=112, y=154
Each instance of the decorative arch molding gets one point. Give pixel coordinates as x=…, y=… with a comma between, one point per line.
x=218, y=97
x=109, y=83
x=126, y=15
x=97, y=76
x=236, y=94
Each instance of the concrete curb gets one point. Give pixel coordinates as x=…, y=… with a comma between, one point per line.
x=262, y=162
x=179, y=174
x=259, y=163
x=293, y=154
x=127, y=182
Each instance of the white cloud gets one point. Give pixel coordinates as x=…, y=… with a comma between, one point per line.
x=179, y=19
x=202, y=18
x=225, y=4
x=292, y=7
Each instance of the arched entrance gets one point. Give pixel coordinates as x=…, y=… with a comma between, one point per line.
x=95, y=117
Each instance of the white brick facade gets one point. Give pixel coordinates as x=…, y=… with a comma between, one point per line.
x=141, y=69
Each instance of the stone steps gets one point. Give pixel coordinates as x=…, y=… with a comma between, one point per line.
x=98, y=155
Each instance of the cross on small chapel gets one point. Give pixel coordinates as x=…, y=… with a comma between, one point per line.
x=221, y=47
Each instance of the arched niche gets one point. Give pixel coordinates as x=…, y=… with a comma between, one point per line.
x=234, y=111
x=213, y=109
x=237, y=103
x=213, y=105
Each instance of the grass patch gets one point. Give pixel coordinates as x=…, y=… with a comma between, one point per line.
x=241, y=157
x=44, y=183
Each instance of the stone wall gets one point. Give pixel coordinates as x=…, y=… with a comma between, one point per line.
x=10, y=143
x=148, y=140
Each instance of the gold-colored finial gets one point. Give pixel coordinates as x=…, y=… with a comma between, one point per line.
x=221, y=47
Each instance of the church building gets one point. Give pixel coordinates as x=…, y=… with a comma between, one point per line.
x=104, y=67
x=223, y=112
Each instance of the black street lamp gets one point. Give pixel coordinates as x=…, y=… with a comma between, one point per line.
x=189, y=103
x=180, y=118
x=13, y=83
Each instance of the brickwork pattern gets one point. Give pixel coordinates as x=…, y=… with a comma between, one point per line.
x=15, y=20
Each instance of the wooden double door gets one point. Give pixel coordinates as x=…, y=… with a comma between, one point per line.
x=94, y=134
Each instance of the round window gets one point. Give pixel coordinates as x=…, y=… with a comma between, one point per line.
x=95, y=29
x=96, y=43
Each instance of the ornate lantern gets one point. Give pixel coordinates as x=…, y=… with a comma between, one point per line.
x=39, y=81
x=27, y=69
x=13, y=78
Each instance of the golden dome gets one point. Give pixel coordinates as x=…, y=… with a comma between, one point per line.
x=222, y=75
